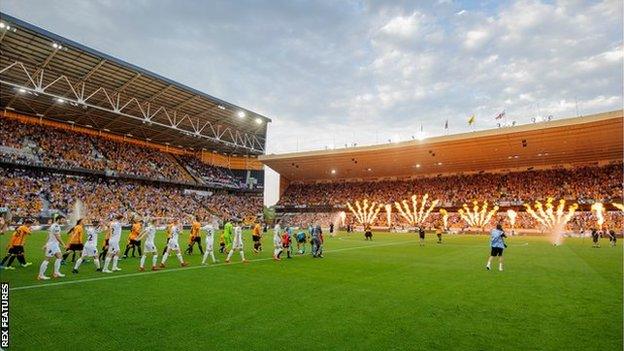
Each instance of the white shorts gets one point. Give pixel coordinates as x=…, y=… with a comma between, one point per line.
x=237, y=246
x=209, y=247
x=113, y=248
x=52, y=249
x=150, y=247
x=89, y=251
x=173, y=245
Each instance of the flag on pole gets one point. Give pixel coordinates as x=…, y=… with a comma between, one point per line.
x=446, y=124
x=471, y=119
x=500, y=115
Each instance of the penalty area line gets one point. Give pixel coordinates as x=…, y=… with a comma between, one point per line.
x=149, y=273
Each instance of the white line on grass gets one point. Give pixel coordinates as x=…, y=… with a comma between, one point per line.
x=147, y=273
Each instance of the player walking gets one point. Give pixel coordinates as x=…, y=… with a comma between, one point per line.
x=149, y=233
x=317, y=242
x=51, y=249
x=172, y=245
x=133, y=242
x=421, y=236
x=16, y=246
x=90, y=248
x=497, y=243
x=210, y=230
x=237, y=244
x=368, y=233
x=256, y=236
x=195, y=237
x=277, y=241
x=75, y=241
x=113, y=245
x=286, y=241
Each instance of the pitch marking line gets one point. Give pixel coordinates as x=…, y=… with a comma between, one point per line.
x=148, y=273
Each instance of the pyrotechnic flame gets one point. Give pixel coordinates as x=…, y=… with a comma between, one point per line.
x=552, y=221
x=415, y=215
x=444, y=214
x=598, y=210
x=618, y=206
x=343, y=216
x=512, y=216
x=478, y=216
x=365, y=214
x=388, y=208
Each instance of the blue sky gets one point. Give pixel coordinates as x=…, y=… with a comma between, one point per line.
x=330, y=73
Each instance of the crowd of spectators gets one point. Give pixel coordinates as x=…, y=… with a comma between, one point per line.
x=24, y=193
x=66, y=149
x=580, y=184
x=211, y=174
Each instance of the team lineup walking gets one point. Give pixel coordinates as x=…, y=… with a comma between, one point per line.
x=82, y=242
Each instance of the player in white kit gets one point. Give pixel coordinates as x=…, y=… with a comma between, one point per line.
x=90, y=248
x=210, y=230
x=172, y=245
x=237, y=244
x=51, y=249
x=113, y=245
x=149, y=233
x=277, y=241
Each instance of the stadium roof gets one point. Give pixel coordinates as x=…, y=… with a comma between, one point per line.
x=558, y=142
x=46, y=75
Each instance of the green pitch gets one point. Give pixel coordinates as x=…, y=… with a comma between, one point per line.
x=381, y=295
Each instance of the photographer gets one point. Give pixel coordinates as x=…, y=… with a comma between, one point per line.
x=497, y=243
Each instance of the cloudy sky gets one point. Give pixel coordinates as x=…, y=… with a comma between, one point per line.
x=335, y=72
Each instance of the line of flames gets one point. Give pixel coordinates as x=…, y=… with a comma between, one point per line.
x=478, y=216
x=365, y=214
x=415, y=215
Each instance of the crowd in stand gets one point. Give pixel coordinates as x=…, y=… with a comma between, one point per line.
x=579, y=184
x=210, y=173
x=25, y=192
x=65, y=149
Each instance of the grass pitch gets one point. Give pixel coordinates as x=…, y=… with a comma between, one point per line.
x=380, y=295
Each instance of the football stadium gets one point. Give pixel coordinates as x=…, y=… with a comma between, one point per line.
x=134, y=215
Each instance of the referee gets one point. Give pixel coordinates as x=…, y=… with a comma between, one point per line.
x=497, y=243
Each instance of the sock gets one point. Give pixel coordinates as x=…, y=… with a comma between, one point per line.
x=5, y=259
x=179, y=255
x=275, y=251
x=205, y=257
x=21, y=259
x=96, y=261
x=242, y=254
x=106, y=262
x=78, y=263
x=115, y=261
x=201, y=249
x=65, y=255
x=43, y=267
x=142, y=261
x=164, y=259
x=138, y=249
x=500, y=266
x=212, y=256
x=127, y=249
x=230, y=254
x=154, y=260
x=57, y=265
x=279, y=252
x=73, y=256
